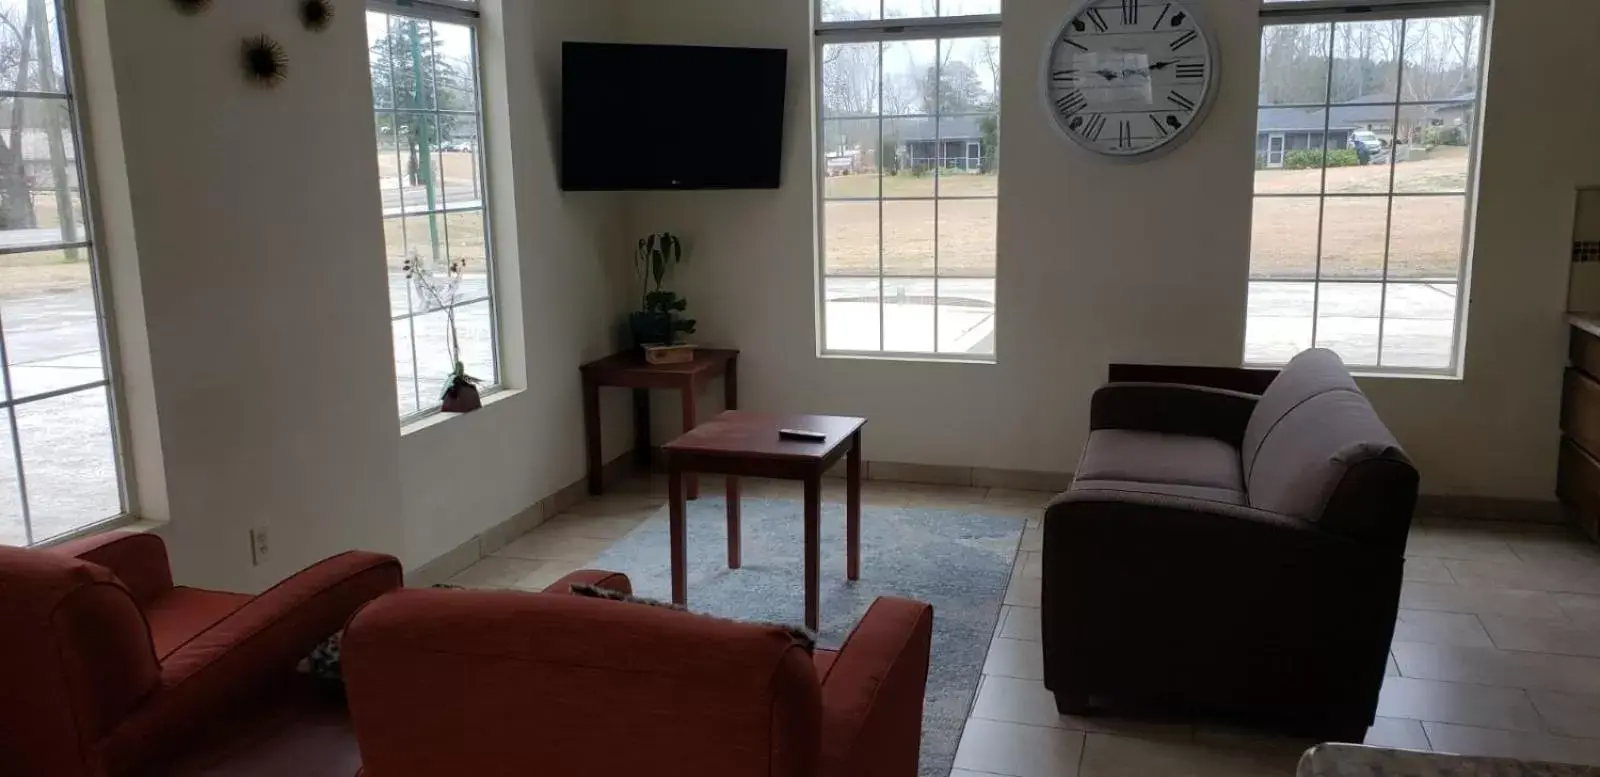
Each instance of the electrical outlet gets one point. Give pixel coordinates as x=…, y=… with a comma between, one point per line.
x=258, y=547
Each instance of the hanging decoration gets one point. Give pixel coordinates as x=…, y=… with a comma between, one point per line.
x=316, y=15
x=265, y=61
x=192, y=7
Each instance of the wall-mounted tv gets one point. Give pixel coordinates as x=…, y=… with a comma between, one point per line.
x=671, y=117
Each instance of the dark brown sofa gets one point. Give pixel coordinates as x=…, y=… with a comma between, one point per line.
x=1229, y=553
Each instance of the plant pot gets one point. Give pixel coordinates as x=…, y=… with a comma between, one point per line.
x=463, y=397
x=651, y=328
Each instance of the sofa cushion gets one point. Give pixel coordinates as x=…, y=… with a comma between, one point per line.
x=1204, y=493
x=1306, y=456
x=1153, y=457
x=1311, y=374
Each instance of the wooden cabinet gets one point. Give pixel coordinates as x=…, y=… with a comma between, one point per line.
x=1578, y=474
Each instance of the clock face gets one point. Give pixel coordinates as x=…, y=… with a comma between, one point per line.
x=1128, y=78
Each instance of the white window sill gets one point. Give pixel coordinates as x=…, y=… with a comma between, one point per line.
x=437, y=417
x=926, y=358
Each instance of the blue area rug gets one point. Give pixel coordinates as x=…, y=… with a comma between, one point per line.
x=959, y=562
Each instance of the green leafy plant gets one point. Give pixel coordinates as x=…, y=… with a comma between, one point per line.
x=1311, y=159
x=657, y=320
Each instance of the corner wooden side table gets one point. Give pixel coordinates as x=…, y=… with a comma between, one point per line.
x=739, y=444
x=629, y=370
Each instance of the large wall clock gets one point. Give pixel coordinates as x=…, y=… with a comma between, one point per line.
x=1130, y=79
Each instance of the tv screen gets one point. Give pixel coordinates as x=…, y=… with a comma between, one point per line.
x=671, y=117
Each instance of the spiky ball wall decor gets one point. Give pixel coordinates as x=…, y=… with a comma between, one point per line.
x=265, y=61
x=316, y=15
x=192, y=7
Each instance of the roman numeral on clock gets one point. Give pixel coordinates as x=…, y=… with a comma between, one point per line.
x=1097, y=20
x=1161, y=128
x=1162, y=17
x=1192, y=70
x=1064, y=76
x=1181, y=101
x=1071, y=102
x=1094, y=126
x=1074, y=44
x=1125, y=134
x=1130, y=12
x=1184, y=40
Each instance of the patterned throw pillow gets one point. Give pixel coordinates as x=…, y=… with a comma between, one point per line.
x=801, y=635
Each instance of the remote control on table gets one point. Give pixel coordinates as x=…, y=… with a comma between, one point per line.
x=800, y=435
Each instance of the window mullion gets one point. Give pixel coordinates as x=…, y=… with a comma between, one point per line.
x=1394, y=166
x=1322, y=202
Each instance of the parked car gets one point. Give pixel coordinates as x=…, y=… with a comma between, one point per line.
x=464, y=146
x=1368, y=145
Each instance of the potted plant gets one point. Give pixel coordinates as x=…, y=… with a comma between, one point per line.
x=657, y=321
x=440, y=292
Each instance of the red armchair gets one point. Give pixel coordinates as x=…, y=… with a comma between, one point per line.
x=107, y=668
x=495, y=684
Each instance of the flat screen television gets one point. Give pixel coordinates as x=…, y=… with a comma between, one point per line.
x=671, y=117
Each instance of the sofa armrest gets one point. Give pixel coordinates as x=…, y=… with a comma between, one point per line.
x=138, y=559
x=872, y=695
x=1196, y=411
x=1249, y=381
x=613, y=581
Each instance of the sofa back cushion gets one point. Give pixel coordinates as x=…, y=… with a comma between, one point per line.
x=1326, y=457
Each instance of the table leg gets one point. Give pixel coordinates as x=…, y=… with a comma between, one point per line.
x=691, y=414
x=730, y=385
x=679, y=532
x=853, y=509
x=591, y=435
x=641, y=429
x=735, y=534
x=813, y=530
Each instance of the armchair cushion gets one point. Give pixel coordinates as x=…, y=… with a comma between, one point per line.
x=181, y=613
x=1155, y=457
x=138, y=559
x=1197, y=411
x=1308, y=375
x=1202, y=493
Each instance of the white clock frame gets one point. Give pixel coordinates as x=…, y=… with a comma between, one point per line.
x=1213, y=86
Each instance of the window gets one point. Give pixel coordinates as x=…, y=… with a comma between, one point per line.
x=60, y=466
x=1366, y=150
x=430, y=169
x=908, y=163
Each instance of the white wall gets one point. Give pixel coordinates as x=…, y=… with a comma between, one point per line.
x=1085, y=280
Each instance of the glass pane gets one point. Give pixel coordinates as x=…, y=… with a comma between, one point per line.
x=70, y=462
x=1278, y=321
x=1283, y=240
x=52, y=327
x=418, y=144
x=1442, y=59
x=395, y=257
x=1353, y=230
x=850, y=238
x=402, y=61
x=966, y=316
x=391, y=164
x=1419, y=326
x=908, y=238
x=1366, y=58
x=39, y=199
x=1289, y=151
x=431, y=286
x=405, y=368
x=969, y=75
x=908, y=309
x=1426, y=240
x=1441, y=161
x=1359, y=159
x=967, y=237
x=850, y=157
x=1294, y=64
x=849, y=10
x=968, y=7
x=850, y=79
x=475, y=330
x=12, y=531
x=909, y=78
x=968, y=148
x=455, y=72
x=1347, y=321
x=910, y=157
x=853, y=316
x=30, y=48
x=468, y=250
x=909, y=9
x=378, y=60
x=457, y=163
x=432, y=334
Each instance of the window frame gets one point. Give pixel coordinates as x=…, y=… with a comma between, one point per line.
x=67, y=35
x=936, y=29
x=465, y=13
x=1334, y=13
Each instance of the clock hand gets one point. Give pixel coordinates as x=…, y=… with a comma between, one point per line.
x=1164, y=65
x=1109, y=75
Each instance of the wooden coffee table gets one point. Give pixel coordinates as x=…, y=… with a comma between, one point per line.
x=744, y=444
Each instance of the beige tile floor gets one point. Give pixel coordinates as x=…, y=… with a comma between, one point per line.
x=1496, y=650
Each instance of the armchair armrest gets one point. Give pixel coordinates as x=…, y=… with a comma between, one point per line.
x=614, y=581
x=1249, y=381
x=139, y=560
x=872, y=694
x=1197, y=411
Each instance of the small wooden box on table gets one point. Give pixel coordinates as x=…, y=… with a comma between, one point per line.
x=738, y=444
x=630, y=370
